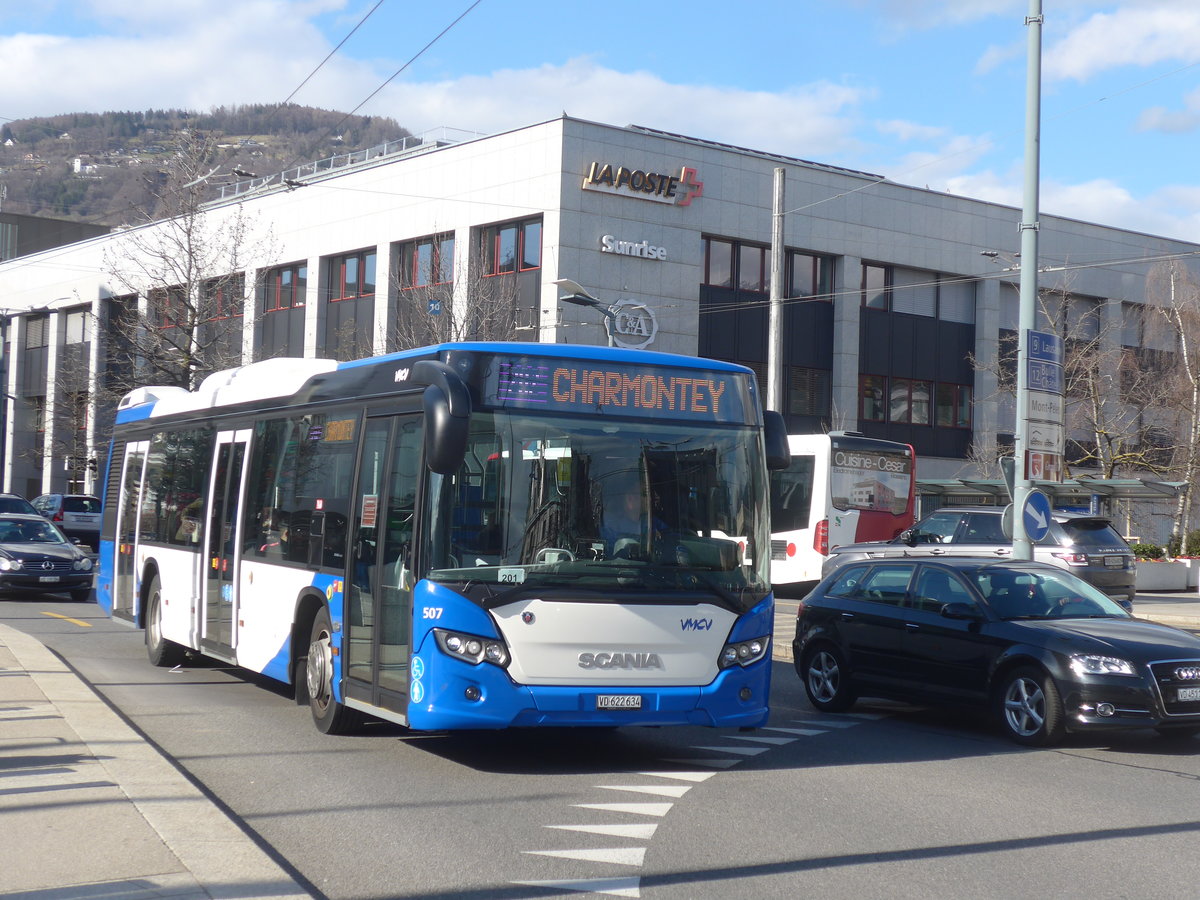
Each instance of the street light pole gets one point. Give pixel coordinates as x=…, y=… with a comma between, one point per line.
x=1022, y=546
x=579, y=296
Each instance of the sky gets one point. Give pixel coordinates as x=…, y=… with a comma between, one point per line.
x=925, y=92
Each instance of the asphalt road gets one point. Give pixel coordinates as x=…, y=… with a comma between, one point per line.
x=890, y=801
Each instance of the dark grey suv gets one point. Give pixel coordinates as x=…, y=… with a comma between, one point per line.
x=1087, y=546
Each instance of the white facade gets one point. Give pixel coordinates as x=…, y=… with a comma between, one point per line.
x=638, y=247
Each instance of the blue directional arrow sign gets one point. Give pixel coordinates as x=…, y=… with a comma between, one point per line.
x=1036, y=515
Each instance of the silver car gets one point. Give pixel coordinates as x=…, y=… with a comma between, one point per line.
x=1087, y=546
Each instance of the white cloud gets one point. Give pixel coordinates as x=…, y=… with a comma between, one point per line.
x=1135, y=34
x=813, y=120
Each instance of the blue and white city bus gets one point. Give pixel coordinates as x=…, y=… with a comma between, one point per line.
x=473, y=535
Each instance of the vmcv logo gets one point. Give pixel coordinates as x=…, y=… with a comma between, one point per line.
x=696, y=624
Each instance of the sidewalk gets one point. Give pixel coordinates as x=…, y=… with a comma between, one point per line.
x=94, y=812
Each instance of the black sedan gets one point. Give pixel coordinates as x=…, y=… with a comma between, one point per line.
x=1045, y=651
x=35, y=557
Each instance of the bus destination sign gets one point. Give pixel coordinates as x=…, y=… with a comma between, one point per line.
x=614, y=388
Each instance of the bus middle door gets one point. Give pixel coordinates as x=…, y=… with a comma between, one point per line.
x=225, y=489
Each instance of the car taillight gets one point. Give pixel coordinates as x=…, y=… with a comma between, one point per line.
x=57, y=517
x=821, y=537
x=1073, y=559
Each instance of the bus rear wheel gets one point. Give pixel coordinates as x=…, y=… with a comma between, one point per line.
x=161, y=651
x=330, y=716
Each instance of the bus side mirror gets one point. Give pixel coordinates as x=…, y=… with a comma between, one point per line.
x=447, y=404
x=775, y=438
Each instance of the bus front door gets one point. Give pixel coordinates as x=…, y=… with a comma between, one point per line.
x=225, y=489
x=125, y=573
x=379, y=601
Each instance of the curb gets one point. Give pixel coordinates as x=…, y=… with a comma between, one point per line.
x=224, y=861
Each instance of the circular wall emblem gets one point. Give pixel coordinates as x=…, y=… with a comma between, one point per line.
x=633, y=324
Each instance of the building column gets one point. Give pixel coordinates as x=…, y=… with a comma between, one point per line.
x=54, y=342
x=385, y=291
x=14, y=359
x=314, y=310
x=847, y=318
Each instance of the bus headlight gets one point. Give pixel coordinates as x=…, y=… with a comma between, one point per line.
x=472, y=648
x=743, y=653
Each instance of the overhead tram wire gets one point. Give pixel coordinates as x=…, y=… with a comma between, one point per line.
x=393, y=76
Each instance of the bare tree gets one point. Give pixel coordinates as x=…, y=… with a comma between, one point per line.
x=187, y=263
x=487, y=308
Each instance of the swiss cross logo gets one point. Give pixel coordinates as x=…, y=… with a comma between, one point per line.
x=689, y=187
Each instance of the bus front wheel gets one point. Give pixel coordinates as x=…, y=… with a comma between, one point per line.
x=329, y=716
x=161, y=651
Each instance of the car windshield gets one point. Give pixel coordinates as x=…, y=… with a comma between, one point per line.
x=29, y=533
x=1015, y=593
x=603, y=509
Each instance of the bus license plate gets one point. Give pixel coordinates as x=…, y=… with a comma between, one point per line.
x=618, y=701
x=1189, y=695
x=46, y=579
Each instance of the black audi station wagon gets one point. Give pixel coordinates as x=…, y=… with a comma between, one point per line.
x=1044, y=650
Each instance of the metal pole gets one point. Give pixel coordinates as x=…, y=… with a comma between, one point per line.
x=775, y=323
x=1022, y=546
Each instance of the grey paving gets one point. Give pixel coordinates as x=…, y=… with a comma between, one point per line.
x=91, y=811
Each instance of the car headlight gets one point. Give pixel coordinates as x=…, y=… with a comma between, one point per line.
x=743, y=653
x=1090, y=664
x=84, y=564
x=9, y=565
x=472, y=648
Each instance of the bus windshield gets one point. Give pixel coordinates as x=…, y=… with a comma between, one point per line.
x=609, y=509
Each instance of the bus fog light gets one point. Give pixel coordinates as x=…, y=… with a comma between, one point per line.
x=1105, y=709
x=745, y=693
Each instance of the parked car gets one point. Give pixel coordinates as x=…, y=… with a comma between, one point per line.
x=36, y=557
x=15, y=503
x=1087, y=546
x=1043, y=650
x=78, y=515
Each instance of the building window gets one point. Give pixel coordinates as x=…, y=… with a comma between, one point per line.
x=809, y=276
x=285, y=287
x=224, y=298
x=876, y=287
x=37, y=330
x=78, y=326
x=908, y=401
x=729, y=263
x=872, y=390
x=351, y=276
x=511, y=247
x=953, y=406
x=808, y=391
x=169, y=307
x=427, y=261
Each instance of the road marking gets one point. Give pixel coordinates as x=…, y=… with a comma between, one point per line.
x=614, y=887
x=682, y=776
x=637, y=809
x=621, y=856
x=710, y=763
x=740, y=751
x=762, y=739
x=639, y=832
x=79, y=622
x=660, y=790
